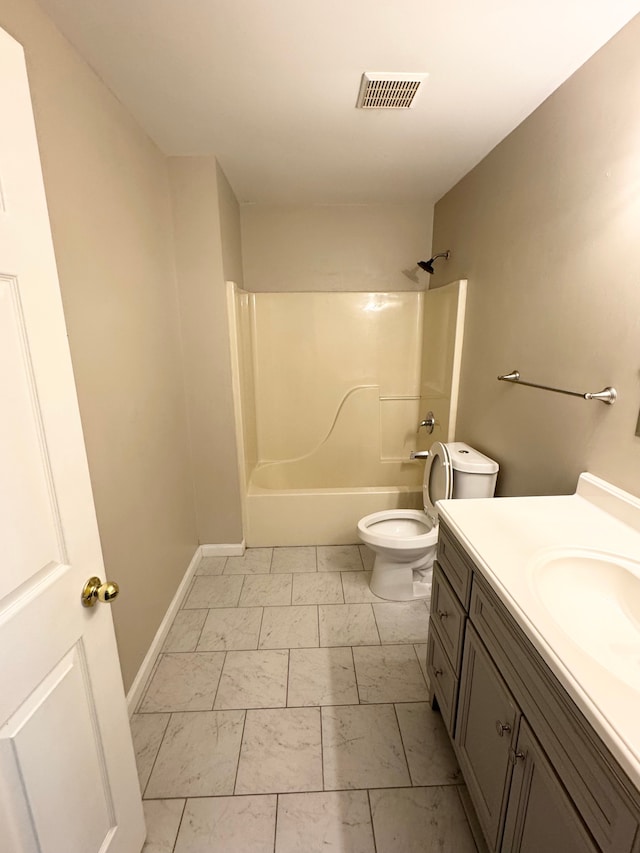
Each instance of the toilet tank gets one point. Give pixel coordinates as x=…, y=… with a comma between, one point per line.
x=474, y=474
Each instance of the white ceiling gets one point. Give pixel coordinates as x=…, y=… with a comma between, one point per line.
x=269, y=86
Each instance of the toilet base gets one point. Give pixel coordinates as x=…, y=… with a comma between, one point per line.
x=395, y=581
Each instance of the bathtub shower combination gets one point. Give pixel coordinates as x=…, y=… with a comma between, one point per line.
x=329, y=389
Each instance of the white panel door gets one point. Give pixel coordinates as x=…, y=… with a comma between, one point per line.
x=68, y=781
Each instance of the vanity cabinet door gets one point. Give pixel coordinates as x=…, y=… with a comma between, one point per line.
x=444, y=684
x=455, y=564
x=447, y=618
x=540, y=815
x=486, y=730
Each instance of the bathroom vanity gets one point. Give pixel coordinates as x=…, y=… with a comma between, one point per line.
x=532, y=657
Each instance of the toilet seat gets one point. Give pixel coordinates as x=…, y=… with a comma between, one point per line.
x=438, y=477
x=406, y=528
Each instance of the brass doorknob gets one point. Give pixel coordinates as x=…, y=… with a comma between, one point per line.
x=94, y=590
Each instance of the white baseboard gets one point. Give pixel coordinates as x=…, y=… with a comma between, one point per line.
x=236, y=550
x=139, y=682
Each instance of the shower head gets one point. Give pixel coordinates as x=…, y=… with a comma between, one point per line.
x=427, y=266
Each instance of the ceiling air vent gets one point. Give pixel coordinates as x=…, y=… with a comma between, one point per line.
x=388, y=90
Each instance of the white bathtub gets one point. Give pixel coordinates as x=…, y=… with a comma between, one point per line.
x=320, y=516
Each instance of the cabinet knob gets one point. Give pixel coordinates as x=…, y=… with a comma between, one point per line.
x=442, y=614
x=514, y=757
x=437, y=672
x=502, y=728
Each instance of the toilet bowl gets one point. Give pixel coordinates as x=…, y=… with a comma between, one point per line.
x=405, y=540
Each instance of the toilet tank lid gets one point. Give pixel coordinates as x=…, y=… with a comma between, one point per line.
x=465, y=458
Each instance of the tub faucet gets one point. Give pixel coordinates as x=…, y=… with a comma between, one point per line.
x=419, y=454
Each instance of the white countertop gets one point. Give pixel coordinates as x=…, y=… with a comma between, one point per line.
x=507, y=536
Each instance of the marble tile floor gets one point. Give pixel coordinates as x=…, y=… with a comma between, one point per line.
x=288, y=713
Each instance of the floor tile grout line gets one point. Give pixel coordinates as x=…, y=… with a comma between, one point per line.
x=415, y=651
x=237, y=604
x=376, y=623
x=322, y=748
x=355, y=673
x=184, y=808
x=257, y=648
x=286, y=697
x=235, y=781
x=340, y=646
x=244, y=606
x=373, y=829
x=192, y=652
x=386, y=786
x=282, y=707
x=224, y=663
x=404, y=749
x=204, y=622
x=275, y=823
x=153, y=766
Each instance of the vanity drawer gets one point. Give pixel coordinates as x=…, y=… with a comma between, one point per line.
x=604, y=796
x=447, y=618
x=457, y=567
x=442, y=679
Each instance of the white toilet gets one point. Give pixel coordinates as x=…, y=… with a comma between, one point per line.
x=405, y=540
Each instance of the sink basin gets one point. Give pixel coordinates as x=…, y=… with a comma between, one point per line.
x=594, y=598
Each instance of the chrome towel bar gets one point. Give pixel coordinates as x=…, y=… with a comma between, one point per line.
x=608, y=395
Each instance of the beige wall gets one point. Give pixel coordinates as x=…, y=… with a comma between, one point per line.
x=335, y=247
x=201, y=200
x=230, y=229
x=546, y=229
x=109, y=204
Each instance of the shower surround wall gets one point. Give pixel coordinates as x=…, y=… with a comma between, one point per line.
x=327, y=395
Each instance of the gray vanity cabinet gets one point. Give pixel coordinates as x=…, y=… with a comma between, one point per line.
x=539, y=777
x=450, y=598
x=486, y=730
x=540, y=815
